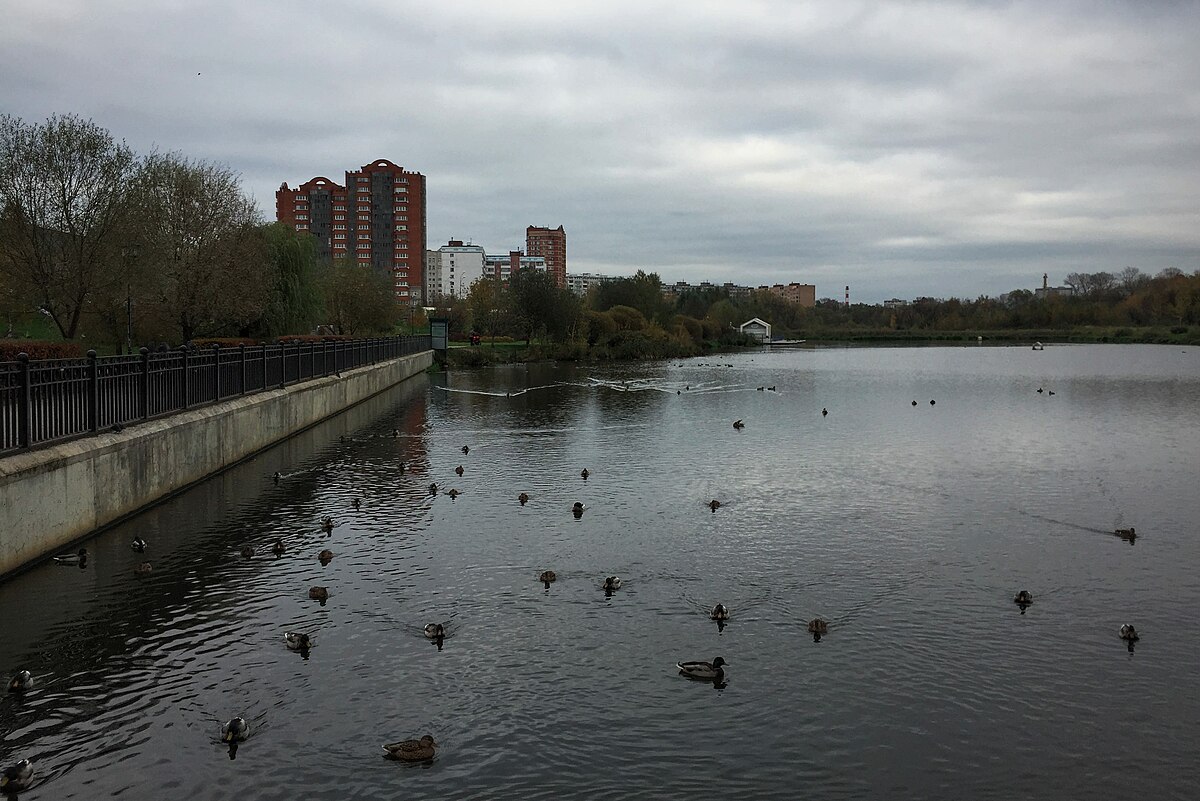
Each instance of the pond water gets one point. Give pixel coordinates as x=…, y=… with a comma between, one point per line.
x=908, y=528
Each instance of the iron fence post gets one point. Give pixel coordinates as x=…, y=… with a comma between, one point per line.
x=282, y=365
x=25, y=412
x=242, y=355
x=145, y=399
x=183, y=350
x=93, y=393
x=216, y=349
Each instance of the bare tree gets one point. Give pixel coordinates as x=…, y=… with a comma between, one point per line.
x=198, y=237
x=63, y=190
x=1131, y=279
x=359, y=300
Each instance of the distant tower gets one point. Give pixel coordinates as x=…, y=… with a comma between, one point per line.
x=550, y=244
x=847, y=297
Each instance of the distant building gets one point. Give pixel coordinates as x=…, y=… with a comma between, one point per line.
x=503, y=267
x=458, y=266
x=803, y=294
x=376, y=220
x=1047, y=291
x=759, y=329
x=582, y=283
x=895, y=303
x=551, y=245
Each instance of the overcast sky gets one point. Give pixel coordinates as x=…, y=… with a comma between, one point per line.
x=904, y=149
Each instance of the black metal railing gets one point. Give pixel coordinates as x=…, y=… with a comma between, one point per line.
x=42, y=402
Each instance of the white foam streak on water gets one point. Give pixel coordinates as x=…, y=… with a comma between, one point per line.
x=908, y=528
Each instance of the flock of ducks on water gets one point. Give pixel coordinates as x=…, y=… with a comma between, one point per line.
x=18, y=776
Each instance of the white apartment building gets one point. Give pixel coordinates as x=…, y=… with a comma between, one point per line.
x=451, y=269
x=581, y=283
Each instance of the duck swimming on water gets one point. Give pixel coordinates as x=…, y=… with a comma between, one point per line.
x=707, y=671
x=738, y=424
x=523, y=498
x=138, y=544
x=584, y=474
x=459, y=470
x=236, y=730
x=297, y=641
x=1023, y=598
x=719, y=612
x=76, y=558
x=714, y=504
x=413, y=750
x=435, y=631
x=21, y=681
x=16, y=777
x=318, y=594
x=1128, y=633
x=548, y=576
x=611, y=583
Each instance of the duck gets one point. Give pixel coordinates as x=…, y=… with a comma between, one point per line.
x=738, y=424
x=453, y=493
x=914, y=403
x=1126, y=533
x=824, y=412
x=760, y=389
x=235, y=730
x=326, y=556
x=435, y=631
x=327, y=524
x=395, y=432
x=611, y=583
x=138, y=545
x=412, y=750
x=143, y=568
x=459, y=470
x=76, y=558
x=297, y=641
x=318, y=594
x=277, y=477
x=818, y=626
x=547, y=576
x=278, y=548
x=1051, y=392
x=584, y=474
x=16, y=777
x=1024, y=597
x=21, y=681
x=714, y=504
x=771, y=388
x=523, y=498
x=1128, y=632
x=709, y=671
x=433, y=489
x=1040, y=390
x=247, y=551
x=933, y=403
x=577, y=506
x=466, y=449
x=719, y=612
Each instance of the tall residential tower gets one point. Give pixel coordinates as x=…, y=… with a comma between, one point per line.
x=550, y=244
x=376, y=220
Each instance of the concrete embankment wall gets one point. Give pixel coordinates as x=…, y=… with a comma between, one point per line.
x=53, y=496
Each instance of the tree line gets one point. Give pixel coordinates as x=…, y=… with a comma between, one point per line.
x=113, y=245
x=632, y=318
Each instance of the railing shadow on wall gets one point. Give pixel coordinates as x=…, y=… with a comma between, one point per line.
x=48, y=401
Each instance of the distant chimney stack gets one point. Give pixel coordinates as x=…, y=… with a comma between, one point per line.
x=1045, y=281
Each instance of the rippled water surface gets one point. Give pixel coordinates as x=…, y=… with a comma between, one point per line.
x=908, y=528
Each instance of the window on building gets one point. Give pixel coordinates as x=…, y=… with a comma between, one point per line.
x=301, y=226
x=364, y=218
x=339, y=208
x=364, y=236
x=402, y=217
x=301, y=216
x=339, y=216
x=401, y=227
x=339, y=227
x=339, y=236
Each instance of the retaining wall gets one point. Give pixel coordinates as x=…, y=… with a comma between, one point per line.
x=54, y=496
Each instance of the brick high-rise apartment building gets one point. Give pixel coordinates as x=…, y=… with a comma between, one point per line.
x=376, y=220
x=550, y=244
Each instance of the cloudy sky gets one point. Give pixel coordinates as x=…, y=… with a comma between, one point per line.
x=904, y=149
